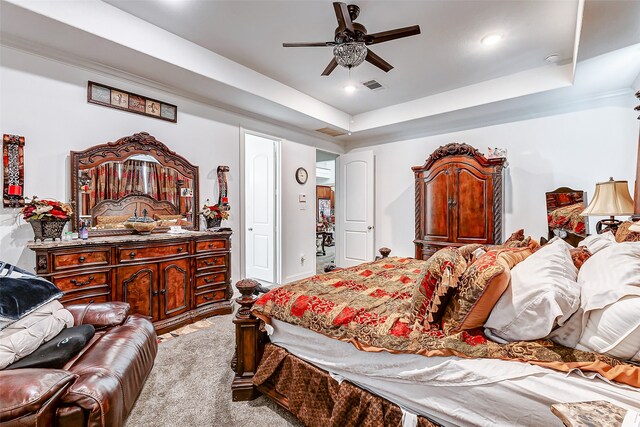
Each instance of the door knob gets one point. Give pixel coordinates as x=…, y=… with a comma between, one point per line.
x=250, y=229
x=369, y=228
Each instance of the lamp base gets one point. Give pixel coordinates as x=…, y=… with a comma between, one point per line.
x=610, y=224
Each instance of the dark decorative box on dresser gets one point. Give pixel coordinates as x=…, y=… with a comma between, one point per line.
x=459, y=199
x=174, y=279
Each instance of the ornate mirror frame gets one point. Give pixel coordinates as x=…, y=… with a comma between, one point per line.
x=139, y=143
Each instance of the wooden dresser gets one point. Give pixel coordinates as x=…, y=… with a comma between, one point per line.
x=174, y=279
x=459, y=199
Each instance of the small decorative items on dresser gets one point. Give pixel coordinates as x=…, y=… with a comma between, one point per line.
x=143, y=224
x=47, y=217
x=214, y=214
x=611, y=199
x=13, y=161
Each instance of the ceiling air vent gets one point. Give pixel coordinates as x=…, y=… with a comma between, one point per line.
x=373, y=85
x=331, y=132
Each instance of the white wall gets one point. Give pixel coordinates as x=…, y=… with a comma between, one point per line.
x=327, y=167
x=298, y=224
x=45, y=100
x=575, y=150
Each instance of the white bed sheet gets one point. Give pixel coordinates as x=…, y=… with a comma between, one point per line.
x=451, y=390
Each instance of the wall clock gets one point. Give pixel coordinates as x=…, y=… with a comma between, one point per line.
x=301, y=176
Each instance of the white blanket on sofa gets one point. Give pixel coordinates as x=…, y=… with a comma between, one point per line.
x=24, y=336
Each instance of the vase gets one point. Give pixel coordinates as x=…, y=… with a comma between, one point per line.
x=47, y=228
x=213, y=222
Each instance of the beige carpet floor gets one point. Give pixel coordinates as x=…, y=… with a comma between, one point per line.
x=190, y=386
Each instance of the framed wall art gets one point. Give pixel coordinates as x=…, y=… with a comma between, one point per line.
x=13, y=165
x=119, y=99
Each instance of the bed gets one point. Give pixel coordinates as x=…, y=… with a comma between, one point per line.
x=467, y=380
x=289, y=349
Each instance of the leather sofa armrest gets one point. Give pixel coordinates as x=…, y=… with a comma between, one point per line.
x=29, y=393
x=100, y=315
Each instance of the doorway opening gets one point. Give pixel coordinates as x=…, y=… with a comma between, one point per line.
x=325, y=211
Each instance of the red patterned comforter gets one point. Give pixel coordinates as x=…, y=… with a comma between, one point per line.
x=370, y=306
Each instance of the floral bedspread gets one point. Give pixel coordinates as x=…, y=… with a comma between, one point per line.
x=370, y=306
x=568, y=218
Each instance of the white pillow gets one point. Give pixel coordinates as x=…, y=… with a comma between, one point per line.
x=543, y=294
x=614, y=330
x=597, y=242
x=609, y=275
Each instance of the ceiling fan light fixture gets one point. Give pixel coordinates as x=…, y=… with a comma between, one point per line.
x=349, y=88
x=350, y=54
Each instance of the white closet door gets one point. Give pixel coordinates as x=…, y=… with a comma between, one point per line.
x=354, y=209
x=260, y=208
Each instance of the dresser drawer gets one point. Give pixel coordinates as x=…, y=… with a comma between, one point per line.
x=211, y=261
x=211, y=245
x=211, y=279
x=81, y=282
x=72, y=260
x=86, y=297
x=151, y=252
x=207, y=297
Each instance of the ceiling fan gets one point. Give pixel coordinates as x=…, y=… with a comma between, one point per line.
x=351, y=40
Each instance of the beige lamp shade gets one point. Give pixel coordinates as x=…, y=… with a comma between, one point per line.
x=612, y=198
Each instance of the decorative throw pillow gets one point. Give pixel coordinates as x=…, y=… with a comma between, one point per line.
x=579, y=256
x=624, y=234
x=597, y=242
x=515, y=238
x=436, y=283
x=480, y=287
x=469, y=252
x=542, y=295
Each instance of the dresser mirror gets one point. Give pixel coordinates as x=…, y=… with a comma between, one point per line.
x=564, y=206
x=134, y=175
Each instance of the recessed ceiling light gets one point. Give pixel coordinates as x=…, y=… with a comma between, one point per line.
x=552, y=58
x=491, y=39
x=349, y=88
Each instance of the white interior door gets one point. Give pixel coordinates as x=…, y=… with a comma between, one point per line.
x=354, y=209
x=259, y=173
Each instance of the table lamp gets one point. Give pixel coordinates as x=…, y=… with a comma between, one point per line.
x=611, y=199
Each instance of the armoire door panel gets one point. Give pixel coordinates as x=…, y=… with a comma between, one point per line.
x=436, y=205
x=174, y=287
x=137, y=286
x=471, y=205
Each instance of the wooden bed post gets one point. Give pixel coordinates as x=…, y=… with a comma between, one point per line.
x=249, y=344
x=636, y=196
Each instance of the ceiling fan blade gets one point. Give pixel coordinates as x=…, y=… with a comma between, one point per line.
x=398, y=33
x=344, y=19
x=332, y=66
x=378, y=62
x=309, y=44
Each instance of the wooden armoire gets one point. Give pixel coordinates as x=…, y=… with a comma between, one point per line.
x=459, y=199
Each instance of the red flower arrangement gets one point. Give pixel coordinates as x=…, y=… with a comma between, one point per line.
x=46, y=209
x=214, y=212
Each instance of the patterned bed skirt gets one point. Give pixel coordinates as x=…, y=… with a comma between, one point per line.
x=318, y=400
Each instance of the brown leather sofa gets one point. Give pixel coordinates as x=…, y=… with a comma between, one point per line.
x=98, y=387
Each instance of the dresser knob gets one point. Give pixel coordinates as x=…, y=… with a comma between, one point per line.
x=180, y=249
x=82, y=259
x=210, y=245
x=132, y=254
